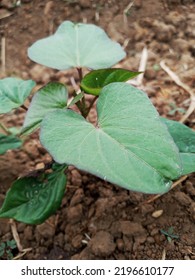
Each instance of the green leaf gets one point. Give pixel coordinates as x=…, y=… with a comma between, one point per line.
x=2, y=246
x=11, y=244
x=94, y=81
x=32, y=200
x=14, y=130
x=188, y=161
x=77, y=98
x=49, y=98
x=76, y=45
x=184, y=137
x=2, y=251
x=9, y=142
x=130, y=146
x=13, y=93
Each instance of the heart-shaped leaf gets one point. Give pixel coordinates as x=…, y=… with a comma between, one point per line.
x=76, y=45
x=32, y=200
x=50, y=97
x=13, y=93
x=130, y=146
x=9, y=142
x=94, y=81
x=184, y=138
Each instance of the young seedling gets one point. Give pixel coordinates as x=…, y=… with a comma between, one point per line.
x=169, y=234
x=175, y=109
x=6, y=249
x=130, y=145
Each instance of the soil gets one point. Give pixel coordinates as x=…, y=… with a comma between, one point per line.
x=98, y=220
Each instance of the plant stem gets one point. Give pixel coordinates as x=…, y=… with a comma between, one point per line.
x=85, y=113
x=80, y=72
x=91, y=104
x=82, y=104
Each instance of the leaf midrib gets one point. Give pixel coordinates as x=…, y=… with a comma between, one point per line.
x=130, y=152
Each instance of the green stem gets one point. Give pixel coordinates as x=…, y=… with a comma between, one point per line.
x=81, y=104
x=91, y=104
x=84, y=107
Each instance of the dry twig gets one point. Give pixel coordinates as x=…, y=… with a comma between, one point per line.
x=163, y=254
x=125, y=44
x=3, y=60
x=172, y=187
x=142, y=68
x=16, y=237
x=21, y=254
x=5, y=15
x=74, y=85
x=153, y=198
x=178, y=82
x=126, y=10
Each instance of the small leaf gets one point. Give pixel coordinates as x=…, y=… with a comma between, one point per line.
x=14, y=130
x=13, y=93
x=94, y=81
x=11, y=244
x=9, y=142
x=49, y=98
x=130, y=146
x=10, y=255
x=2, y=251
x=2, y=246
x=169, y=239
x=32, y=200
x=76, y=99
x=184, y=138
x=76, y=45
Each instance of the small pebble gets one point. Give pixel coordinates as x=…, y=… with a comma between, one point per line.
x=157, y=213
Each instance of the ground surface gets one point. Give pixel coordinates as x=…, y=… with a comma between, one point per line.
x=98, y=220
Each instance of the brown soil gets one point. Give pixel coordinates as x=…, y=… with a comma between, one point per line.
x=98, y=220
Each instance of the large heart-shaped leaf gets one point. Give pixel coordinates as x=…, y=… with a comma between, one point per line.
x=94, y=81
x=184, y=138
x=129, y=146
x=50, y=97
x=33, y=199
x=8, y=142
x=76, y=45
x=13, y=93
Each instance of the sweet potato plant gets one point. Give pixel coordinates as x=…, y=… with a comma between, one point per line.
x=130, y=145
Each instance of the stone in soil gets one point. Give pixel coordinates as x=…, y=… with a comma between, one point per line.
x=102, y=244
x=75, y=214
